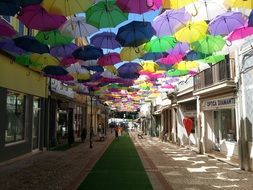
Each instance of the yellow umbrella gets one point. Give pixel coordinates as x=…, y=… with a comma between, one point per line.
x=247, y=4
x=178, y=4
x=66, y=7
x=192, y=32
x=111, y=68
x=39, y=61
x=186, y=65
x=131, y=53
x=149, y=66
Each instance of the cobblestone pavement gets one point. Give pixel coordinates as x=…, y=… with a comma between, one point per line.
x=183, y=169
x=53, y=169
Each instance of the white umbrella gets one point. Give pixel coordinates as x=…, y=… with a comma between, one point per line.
x=205, y=9
x=77, y=27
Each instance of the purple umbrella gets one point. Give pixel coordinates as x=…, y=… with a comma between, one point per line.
x=180, y=48
x=9, y=45
x=129, y=70
x=6, y=29
x=63, y=50
x=170, y=21
x=105, y=40
x=138, y=6
x=36, y=17
x=226, y=23
x=109, y=59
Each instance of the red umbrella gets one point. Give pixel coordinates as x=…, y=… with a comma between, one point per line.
x=109, y=59
x=6, y=29
x=36, y=17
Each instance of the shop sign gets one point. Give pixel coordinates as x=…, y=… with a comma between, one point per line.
x=219, y=103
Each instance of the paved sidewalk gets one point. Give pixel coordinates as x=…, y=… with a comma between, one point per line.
x=172, y=167
x=53, y=169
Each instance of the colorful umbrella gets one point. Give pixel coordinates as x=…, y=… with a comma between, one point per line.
x=213, y=59
x=153, y=56
x=67, y=7
x=178, y=4
x=185, y=65
x=54, y=70
x=111, y=68
x=25, y=60
x=39, y=61
x=247, y=4
x=63, y=50
x=192, y=32
x=53, y=38
x=135, y=33
x=25, y=3
x=66, y=61
x=180, y=48
x=194, y=55
x=250, y=21
x=35, y=17
x=205, y=9
x=129, y=70
x=105, y=14
x=226, y=23
x=8, y=45
x=138, y=6
x=6, y=30
x=9, y=7
x=105, y=40
x=29, y=43
x=131, y=53
x=77, y=27
x=88, y=63
x=170, y=21
x=87, y=53
x=240, y=33
x=209, y=44
x=160, y=44
x=78, y=72
x=176, y=73
x=109, y=59
x=171, y=59
x=149, y=66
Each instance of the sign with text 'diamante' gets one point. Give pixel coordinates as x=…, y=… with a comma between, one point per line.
x=218, y=103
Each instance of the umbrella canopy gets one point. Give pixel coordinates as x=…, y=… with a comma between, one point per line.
x=25, y=3
x=240, y=33
x=170, y=21
x=153, y=56
x=247, y=4
x=29, y=43
x=63, y=50
x=213, y=59
x=209, y=44
x=171, y=59
x=77, y=27
x=25, y=60
x=8, y=45
x=88, y=63
x=205, y=9
x=66, y=7
x=36, y=17
x=53, y=38
x=135, y=33
x=105, y=14
x=109, y=59
x=138, y=6
x=194, y=55
x=129, y=70
x=176, y=73
x=6, y=30
x=68, y=60
x=39, y=61
x=78, y=72
x=192, y=32
x=185, y=65
x=9, y=7
x=54, y=70
x=180, y=48
x=105, y=40
x=250, y=21
x=160, y=44
x=87, y=53
x=226, y=23
x=131, y=53
x=149, y=66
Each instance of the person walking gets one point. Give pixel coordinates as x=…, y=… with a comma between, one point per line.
x=83, y=134
x=116, y=130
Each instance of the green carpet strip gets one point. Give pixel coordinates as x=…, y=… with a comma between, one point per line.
x=119, y=168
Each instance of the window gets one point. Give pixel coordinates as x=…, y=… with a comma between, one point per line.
x=16, y=105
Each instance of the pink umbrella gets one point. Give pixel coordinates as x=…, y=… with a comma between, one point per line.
x=67, y=61
x=171, y=59
x=109, y=59
x=240, y=33
x=36, y=17
x=6, y=29
x=138, y=6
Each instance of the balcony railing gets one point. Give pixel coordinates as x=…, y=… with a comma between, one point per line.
x=220, y=72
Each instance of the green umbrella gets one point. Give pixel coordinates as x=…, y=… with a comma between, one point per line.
x=177, y=73
x=209, y=44
x=25, y=60
x=105, y=14
x=53, y=38
x=161, y=44
x=213, y=59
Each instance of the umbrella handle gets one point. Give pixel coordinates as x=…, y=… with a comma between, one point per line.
x=228, y=43
x=137, y=50
x=46, y=37
x=149, y=6
x=196, y=13
x=108, y=8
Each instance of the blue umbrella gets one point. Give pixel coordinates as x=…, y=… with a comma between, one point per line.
x=29, y=43
x=129, y=70
x=88, y=53
x=250, y=22
x=135, y=33
x=9, y=7
x=153, y=56
x=95, y=68
x=194, y=55
x=25, y=3
x=54, y=70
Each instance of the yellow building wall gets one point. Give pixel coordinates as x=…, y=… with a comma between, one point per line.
x=19, y=78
